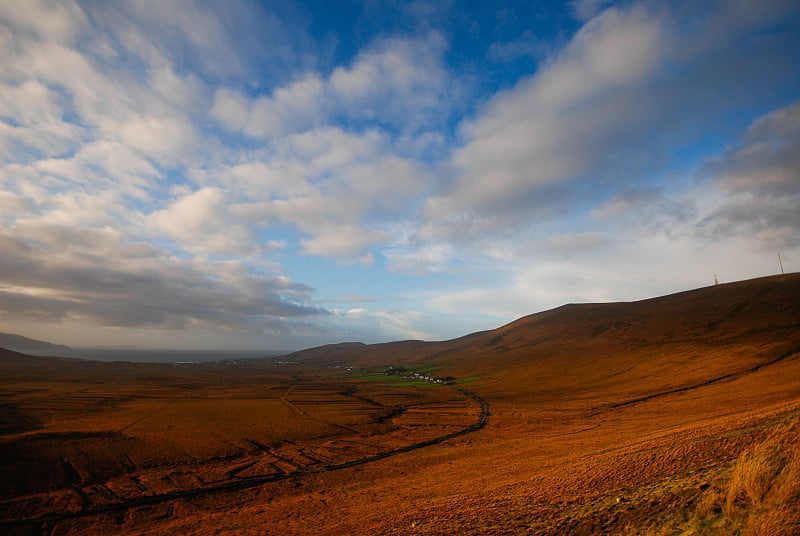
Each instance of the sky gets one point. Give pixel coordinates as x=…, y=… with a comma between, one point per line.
x=279, y=175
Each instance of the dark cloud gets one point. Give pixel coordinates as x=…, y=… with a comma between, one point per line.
x=151, y=289
x=761, y=181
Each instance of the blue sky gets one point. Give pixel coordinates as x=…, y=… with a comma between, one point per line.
x=280, y=175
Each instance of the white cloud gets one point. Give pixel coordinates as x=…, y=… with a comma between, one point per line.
x=587, y=9
x=13, y=206
x=613, y=50
x=184, y=31
x=208, y=222
x=128, y=171
x=279, y=178
x=289, y=109
x=164, y=139
x=617, y=207
x=31, y=103
x=343, y=241
x=399, y=82
x=768, y=161
x=759, y=181
x=60, y=21
x=231, y=108
x=551, y=128
x=101, y=114
x=610, y=111
x=343, y=190
x=420, y=259
x=569, y=244
x=633, y=267
x=180, y=92
x=381, y=325
x=78, y=208
x=111, y=109
x=650, y=241
x=98, y=168
x=117, y=185
x=31, y=118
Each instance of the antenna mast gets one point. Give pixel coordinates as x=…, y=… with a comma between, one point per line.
x=780, y=262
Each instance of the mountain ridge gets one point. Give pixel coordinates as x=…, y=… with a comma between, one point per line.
x=26, y=345
x=644, y=346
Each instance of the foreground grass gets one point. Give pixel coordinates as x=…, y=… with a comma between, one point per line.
x=762, y=495
x=755, y=493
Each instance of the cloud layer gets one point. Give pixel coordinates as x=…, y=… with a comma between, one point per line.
x=192, y=167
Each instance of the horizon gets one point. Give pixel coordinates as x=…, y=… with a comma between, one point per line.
x=243, y=175
x=83, y=351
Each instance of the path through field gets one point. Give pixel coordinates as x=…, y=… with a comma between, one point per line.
x=342, y=438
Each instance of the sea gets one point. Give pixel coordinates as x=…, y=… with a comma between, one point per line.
x=163, y=356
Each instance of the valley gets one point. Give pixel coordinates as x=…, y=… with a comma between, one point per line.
x=675, y=415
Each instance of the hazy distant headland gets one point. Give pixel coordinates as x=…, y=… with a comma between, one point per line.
x=138, y=355
x=18, y=343
x=25, y=345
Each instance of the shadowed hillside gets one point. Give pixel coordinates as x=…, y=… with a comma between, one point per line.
x=18, y=343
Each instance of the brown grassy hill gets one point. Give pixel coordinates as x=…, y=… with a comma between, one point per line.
x=7, y=355
x=661, y=416
x=630, y=349
x=674, y=415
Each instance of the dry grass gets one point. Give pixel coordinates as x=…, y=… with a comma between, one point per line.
x=762, y=495
x=677, y=415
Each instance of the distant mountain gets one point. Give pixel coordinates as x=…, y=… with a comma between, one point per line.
x=113, y=347
x=668, y=342
x=18, y=343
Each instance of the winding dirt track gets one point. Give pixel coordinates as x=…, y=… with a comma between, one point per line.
x=250, y=482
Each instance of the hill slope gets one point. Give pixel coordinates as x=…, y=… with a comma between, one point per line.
x=631, y=349
x=650, y=417
x=647, y=417
x=18, y=343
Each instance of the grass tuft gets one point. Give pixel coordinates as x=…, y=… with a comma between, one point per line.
x=762, y=496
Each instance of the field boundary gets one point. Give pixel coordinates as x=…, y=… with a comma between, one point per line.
x=251, y=482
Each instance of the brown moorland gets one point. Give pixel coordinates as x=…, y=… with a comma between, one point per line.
x=674, y=415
